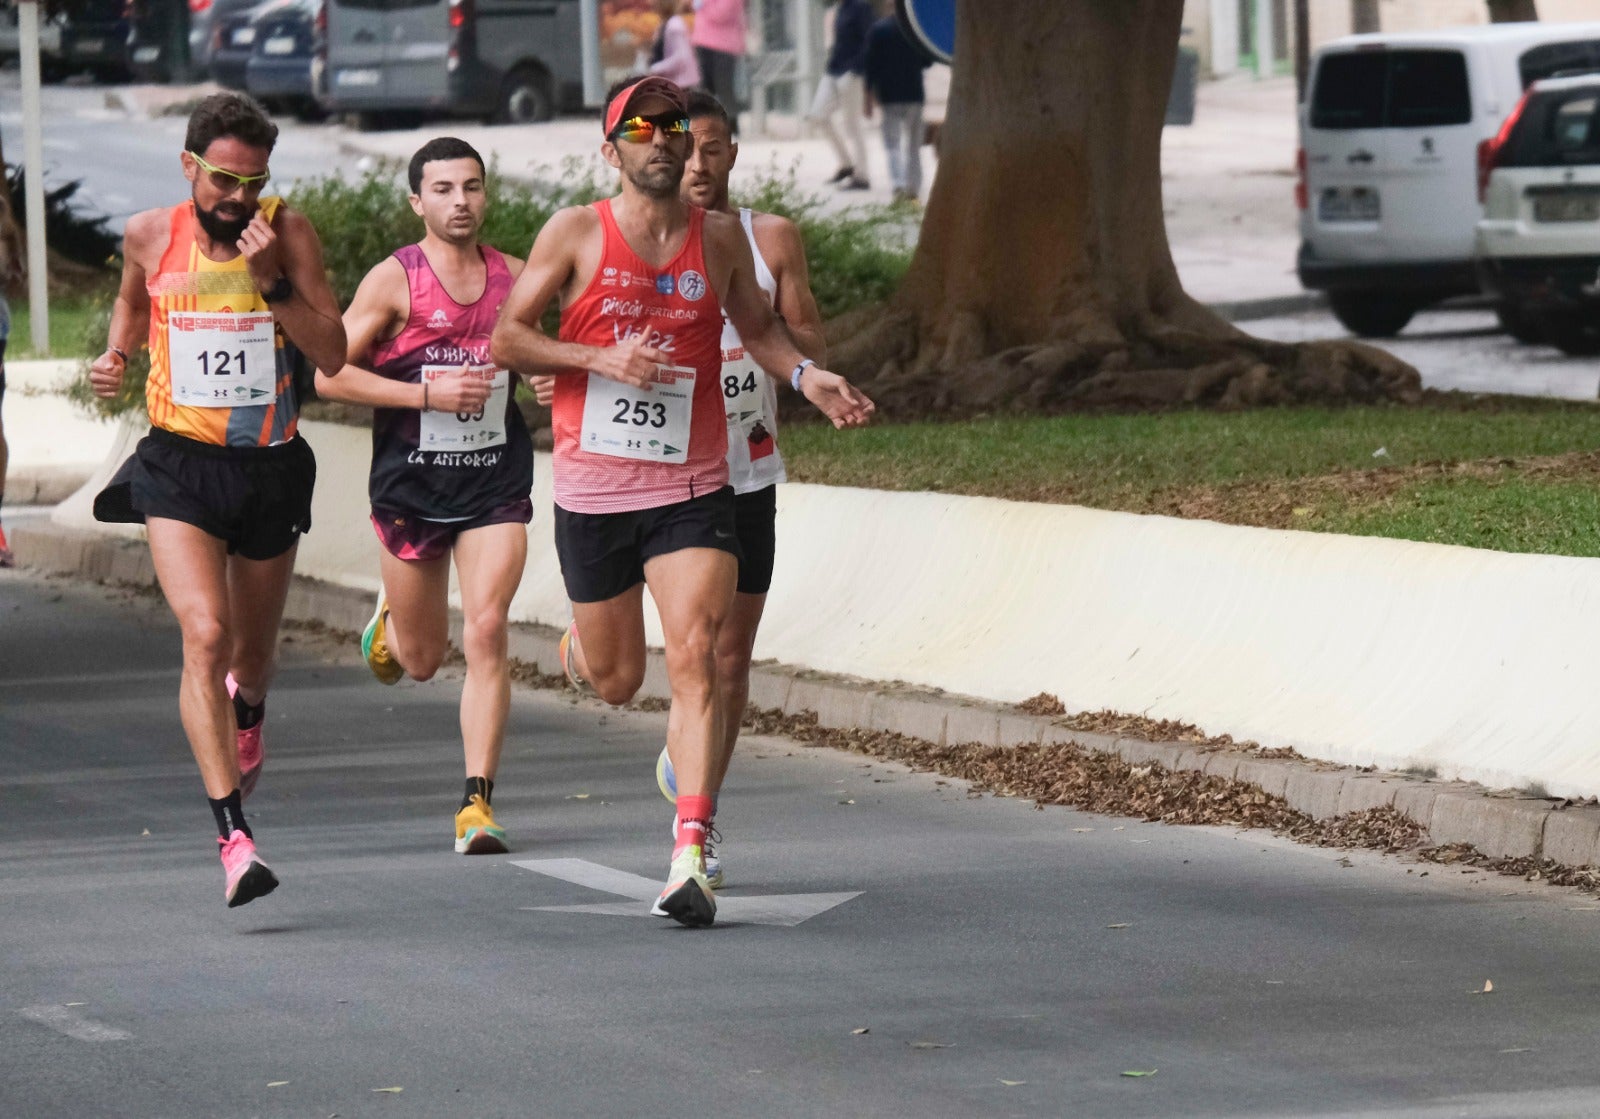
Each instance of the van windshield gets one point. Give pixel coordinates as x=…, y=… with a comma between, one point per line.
x=1557, y=58
x=1556, y=129
x=1391, y=89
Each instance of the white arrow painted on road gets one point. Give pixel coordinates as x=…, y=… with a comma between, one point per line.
x=787, y=910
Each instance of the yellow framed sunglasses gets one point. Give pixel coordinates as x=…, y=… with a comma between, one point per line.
x=229, y=181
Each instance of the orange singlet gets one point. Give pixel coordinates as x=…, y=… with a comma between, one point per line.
x=210, y=327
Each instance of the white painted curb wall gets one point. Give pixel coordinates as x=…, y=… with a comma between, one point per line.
x=1480, y=665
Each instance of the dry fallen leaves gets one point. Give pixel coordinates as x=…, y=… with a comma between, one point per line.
x=1488, y=988
x=390, y=1091
x=861, y=1030
x=932, y=1045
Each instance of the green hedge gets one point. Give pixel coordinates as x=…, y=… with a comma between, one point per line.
x=857, y=256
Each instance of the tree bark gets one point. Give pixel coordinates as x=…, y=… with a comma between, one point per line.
x=1364, y=17
x=1513, y=11
x=1043, y=279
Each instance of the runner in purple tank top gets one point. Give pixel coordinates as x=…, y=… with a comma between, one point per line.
x=452, y=462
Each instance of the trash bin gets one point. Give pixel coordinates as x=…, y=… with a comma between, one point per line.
x=1180, y=102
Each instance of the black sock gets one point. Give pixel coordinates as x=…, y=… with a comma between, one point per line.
x=477, y=787
x=246, y=715
x=229, y=812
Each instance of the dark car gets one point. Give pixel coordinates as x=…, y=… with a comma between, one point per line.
x=233, y=41
x=89, y=37
x=94, y=40
x=279, y=70
x=158, y=48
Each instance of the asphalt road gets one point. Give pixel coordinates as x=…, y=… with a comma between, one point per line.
x=1460, y=350
x=1003, y=960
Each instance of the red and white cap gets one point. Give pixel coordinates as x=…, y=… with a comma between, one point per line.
x=617, y=111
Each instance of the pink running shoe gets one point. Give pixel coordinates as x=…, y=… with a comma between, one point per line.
x=252, y=754
x=248, y=877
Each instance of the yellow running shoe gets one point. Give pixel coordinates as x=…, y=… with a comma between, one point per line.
x=688, y=897
x=567, y=653
x=375, y=646
x=476, y=831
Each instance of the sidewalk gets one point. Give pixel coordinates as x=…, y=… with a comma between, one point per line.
x=1228, y=178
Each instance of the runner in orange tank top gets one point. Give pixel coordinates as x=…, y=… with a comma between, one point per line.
x=222, y=483
x=640, y=469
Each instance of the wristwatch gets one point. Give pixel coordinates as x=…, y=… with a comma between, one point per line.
x=279, y=291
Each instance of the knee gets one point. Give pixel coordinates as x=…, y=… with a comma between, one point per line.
x=618, y=686
x=423, y=664
x=206, y=643
x=692, y=660
x=733, y=664
x=483, y=637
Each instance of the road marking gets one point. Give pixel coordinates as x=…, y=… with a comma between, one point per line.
x=786, y=910
x=65, y=1020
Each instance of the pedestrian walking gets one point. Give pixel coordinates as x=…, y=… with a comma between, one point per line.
x=893, y=74
x=220, y=285
x=840, y=93
x=672, y=54
x=719, y=40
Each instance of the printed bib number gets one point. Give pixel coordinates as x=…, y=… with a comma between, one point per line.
x=467, y=431
x=222, y=359
x=743, y=395
x=651, y=423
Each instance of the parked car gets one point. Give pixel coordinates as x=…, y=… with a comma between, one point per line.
x=205, y=17
x=1539, y=240
x=279, y=70
x=233, y=41
x=1389, y=138
x=91, y=37
x=504, y=60
x=156, y=39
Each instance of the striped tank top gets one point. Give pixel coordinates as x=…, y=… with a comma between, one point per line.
x=617, y=448
x=219, y=369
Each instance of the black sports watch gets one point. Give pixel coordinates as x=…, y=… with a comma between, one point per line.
x=279, y=291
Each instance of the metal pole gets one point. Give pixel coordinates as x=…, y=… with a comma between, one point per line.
x=33, y=160
x=594, y=82
x=1265, y=62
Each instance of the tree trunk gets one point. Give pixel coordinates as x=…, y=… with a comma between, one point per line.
x=1512, y=11
x=11, y=239
x=1043, y=279
x=1364, y=17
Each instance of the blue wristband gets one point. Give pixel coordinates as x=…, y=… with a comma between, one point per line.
x=794, y=378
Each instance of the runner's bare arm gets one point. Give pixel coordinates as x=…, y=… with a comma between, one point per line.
x=520, y=343
x=288, y=247
x=764, y=336
x=130, y=314
x=785, y=252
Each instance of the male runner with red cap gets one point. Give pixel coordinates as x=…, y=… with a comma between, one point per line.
x=640, y=470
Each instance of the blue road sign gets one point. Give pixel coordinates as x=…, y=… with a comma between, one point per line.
x=931, y=24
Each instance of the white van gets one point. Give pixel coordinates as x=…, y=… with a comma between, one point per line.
x=1390, y=132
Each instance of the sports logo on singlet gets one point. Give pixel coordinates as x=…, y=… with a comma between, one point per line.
x=692, y=285
x=665, y=284
x=439, y=320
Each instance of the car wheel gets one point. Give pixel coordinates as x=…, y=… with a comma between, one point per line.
x=525, y=97
x=1371, y=316
x=1517, y=322
x=1575, y=335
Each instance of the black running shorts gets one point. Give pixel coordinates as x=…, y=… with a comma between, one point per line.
x=257, y=500
x=603, y=554
x=755, y=518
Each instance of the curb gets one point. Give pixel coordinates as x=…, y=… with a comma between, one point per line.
x=1499, y=825
x=1272, y=307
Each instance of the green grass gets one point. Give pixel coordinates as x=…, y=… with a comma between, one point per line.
x=1252, y=467
x=69, y=329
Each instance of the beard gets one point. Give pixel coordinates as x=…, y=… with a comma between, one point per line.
x=657, y=181
x=221, y=226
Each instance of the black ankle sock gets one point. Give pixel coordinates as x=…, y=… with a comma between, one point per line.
x=477, y=787
x=246, y=715
x=229, y=812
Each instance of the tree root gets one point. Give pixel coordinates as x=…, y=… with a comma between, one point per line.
x=1091, y=364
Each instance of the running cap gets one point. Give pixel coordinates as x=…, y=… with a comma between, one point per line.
x=617, y=112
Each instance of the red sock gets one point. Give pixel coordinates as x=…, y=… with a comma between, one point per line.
x=694, y=821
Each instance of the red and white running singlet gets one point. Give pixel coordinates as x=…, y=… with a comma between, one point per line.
x=618, y=448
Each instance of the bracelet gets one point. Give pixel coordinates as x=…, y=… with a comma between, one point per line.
x=794, y=378
x=425, y=396
x=122, y=354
